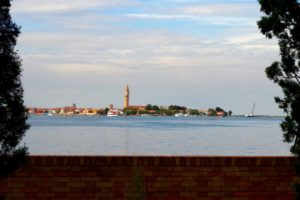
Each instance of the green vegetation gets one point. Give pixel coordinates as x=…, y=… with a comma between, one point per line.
x=174, y=109
x=193, y=112
x=106, y=111
x=12, y=111
x=177, y=108
x=130, y=111
x=152, y=107
x=282, y=21
x=219, y=112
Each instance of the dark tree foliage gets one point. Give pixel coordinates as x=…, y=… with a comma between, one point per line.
x=218, y=109
x=12, y=111
x=148, y=107
x=282, y=21
x=176, y=107
x=155, y=107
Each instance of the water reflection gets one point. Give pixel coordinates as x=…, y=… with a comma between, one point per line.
x=155, y=136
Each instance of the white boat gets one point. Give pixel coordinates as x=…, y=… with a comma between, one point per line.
x=252, y=113
x=112, y=113
x=179, y=115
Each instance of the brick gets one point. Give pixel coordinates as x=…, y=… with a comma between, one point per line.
x=188, y=194
x=229, y=189
x=112, y=177
x=189, y=184
x=104, y=184
x=76, y=184
x=30, y=195
x=45, y=195
x=60, y=189
x=15, y=195
x=215, y=194
x=217, y=184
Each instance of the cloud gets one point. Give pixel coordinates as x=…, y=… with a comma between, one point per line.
x=62, y=6
x=252, y=41
x=125, y=53
x=209, y=20
x=221, y=9
x=86, y=46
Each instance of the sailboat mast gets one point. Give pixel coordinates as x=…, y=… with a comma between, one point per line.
x=253, y=108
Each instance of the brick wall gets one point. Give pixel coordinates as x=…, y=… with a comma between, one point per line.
x=205, y=178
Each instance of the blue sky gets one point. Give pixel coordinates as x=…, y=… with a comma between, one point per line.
x=195, y=53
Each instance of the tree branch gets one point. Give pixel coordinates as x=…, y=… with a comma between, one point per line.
x=297, y=78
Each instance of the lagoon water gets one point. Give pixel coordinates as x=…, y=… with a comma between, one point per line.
x=90, y=135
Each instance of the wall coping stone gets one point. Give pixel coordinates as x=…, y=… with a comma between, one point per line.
x=162, y=160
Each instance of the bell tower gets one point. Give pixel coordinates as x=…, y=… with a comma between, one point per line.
x=126, y=97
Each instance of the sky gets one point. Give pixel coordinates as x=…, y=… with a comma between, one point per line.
x=194, y=53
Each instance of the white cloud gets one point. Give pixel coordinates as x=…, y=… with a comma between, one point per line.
x=123, y=53
x=229, y=9
x=96, y=51
x=54, y=6
x=75, y=68
x=209, y=20
x=253, y=41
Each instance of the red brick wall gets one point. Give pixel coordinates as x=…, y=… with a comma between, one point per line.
x=205, y=178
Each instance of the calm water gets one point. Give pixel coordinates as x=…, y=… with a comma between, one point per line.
x=82, y=135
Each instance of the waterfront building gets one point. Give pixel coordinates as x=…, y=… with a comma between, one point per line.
x=126, y=102
x=126, y=97
x=138, y=108
x=89, y=111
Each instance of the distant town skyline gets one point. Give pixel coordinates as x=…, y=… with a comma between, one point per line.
x=199, y=54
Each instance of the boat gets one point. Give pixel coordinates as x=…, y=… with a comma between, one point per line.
x=112, y=113
x=179, y=115
x=252, y=113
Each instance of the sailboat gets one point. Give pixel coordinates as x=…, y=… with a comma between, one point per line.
x=252, y=113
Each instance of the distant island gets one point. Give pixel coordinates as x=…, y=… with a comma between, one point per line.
x=131, y=110
x=148, y=110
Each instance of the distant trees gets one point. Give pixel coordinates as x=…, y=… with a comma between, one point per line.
x=177, y=108
x=148, y=107
x=174, y=109
x=155, y=107
x=282, y=21
x=193, y=112
x=219, y=112
x=130, y=111
x=12, y=111
x=152, y=107
x=106, y=111
x=218, y=109
x=212, y=112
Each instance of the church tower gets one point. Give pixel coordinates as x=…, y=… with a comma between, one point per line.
x=126, y=97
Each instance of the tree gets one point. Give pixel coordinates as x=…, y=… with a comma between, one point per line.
x=12, y=111
x=212, y=112
x=148, y=107
x=155, y=107
x=193, y=112
x=218, y=109
x=178, y=108
x=282, y=21
x=130, y=111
